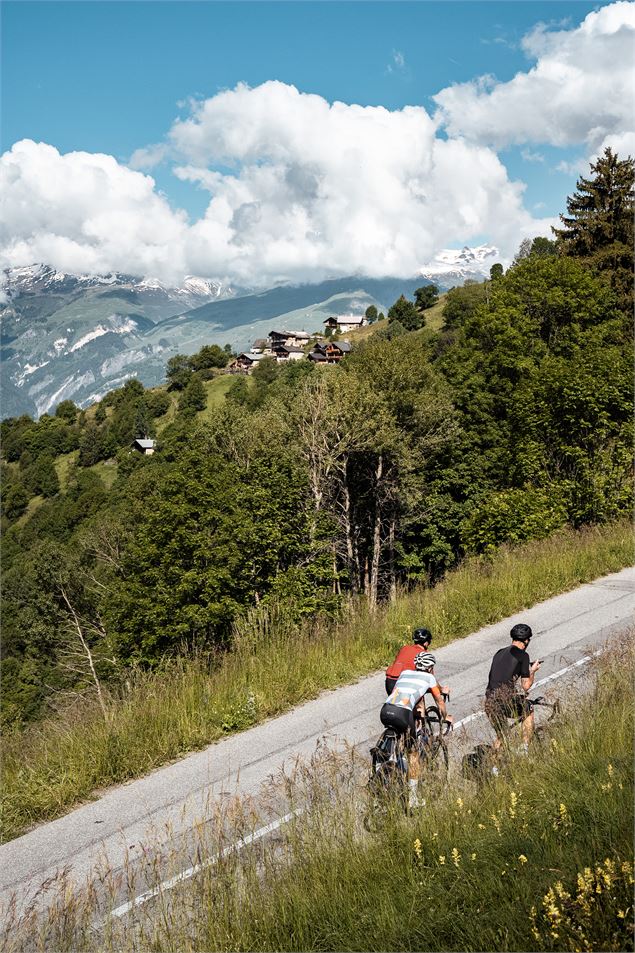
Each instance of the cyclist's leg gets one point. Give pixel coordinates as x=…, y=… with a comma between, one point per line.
x=414, y=763
x=412, y=747
x=497, y=716
x=527, y=721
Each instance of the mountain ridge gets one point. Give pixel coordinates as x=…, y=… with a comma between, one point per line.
x=76, y=337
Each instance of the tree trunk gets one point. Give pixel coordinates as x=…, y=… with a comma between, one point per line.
x=391, y=559
x=87, y=653
x=337, y=589
x=353, y=564
x=376, y=549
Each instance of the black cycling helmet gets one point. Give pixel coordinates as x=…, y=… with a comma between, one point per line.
x=422, y=636
x=521, y=633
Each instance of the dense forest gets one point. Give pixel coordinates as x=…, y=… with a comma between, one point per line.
x=310, y=485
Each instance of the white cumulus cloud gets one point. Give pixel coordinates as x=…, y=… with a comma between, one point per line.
x=314, y=189
x=580, y=90
x=319, y=188
x=85, y=213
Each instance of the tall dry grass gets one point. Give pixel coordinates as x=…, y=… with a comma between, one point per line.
x=191, y=702
x=541, y=858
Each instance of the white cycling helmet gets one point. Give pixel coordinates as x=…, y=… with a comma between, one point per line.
x=424, y=661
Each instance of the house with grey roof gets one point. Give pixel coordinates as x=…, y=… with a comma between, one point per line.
x=144, y=445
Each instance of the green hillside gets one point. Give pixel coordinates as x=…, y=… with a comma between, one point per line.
x=303, y=496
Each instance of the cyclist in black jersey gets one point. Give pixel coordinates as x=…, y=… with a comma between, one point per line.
x=511, y=667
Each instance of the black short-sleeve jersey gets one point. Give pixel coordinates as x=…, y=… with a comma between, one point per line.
x=507, y=665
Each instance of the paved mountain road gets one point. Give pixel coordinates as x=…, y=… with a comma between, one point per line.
x=172, y=799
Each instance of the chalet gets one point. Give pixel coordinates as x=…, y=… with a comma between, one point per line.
x=344, y=323
x=144, y=446
x=288, y=338
x=259, y=345
x=318, y=357
x=329, y=352
x=285, y=353
x=245, y=363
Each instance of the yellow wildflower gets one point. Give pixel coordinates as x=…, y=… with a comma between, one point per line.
x=562, y=820
x=473, y=856
x=513, y=799
x=459, y=802
x=522, y=858
x=609, y=770
x=456, y=857
x=442, y=859
x=417, y=848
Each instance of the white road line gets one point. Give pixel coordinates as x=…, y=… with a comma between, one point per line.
x=274, y=825
x=192, y=871
x=468, y=718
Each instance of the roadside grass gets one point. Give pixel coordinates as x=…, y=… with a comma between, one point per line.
x=540, y=858
x=434, y=315
x=215, y=391
x=434, y=322
x=162, y=422
x=158, y=716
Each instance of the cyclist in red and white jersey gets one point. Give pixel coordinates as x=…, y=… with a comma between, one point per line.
x=400, y=709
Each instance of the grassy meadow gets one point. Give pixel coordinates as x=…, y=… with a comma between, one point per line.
x=540, y=858
x=188, y=703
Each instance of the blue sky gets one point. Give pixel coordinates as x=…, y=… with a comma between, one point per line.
x=113, y=77
x=108, y=77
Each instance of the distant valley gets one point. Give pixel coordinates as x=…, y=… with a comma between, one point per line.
x=67, y=336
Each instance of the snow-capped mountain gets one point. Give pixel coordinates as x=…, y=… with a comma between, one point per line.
x=79, y=336
x=68, y=336
x=41, y=279
x=453, y=266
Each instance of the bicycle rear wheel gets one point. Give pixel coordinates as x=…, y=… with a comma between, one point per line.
x=387, y=788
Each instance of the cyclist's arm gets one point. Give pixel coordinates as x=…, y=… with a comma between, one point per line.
x=529, y=681
x=436, y=693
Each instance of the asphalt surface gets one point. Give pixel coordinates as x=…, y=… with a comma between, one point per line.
x=172, y=800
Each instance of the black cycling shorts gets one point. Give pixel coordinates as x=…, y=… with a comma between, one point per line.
x=390, y=685
x=501, y=707
x=399, y=718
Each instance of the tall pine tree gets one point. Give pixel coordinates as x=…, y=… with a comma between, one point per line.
x=599, y=224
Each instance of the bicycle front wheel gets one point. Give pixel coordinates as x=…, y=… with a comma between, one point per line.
x=434, y=751
x=437, y=760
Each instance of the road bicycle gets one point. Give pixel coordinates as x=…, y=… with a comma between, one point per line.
x=485, y=762
x=389, y=772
